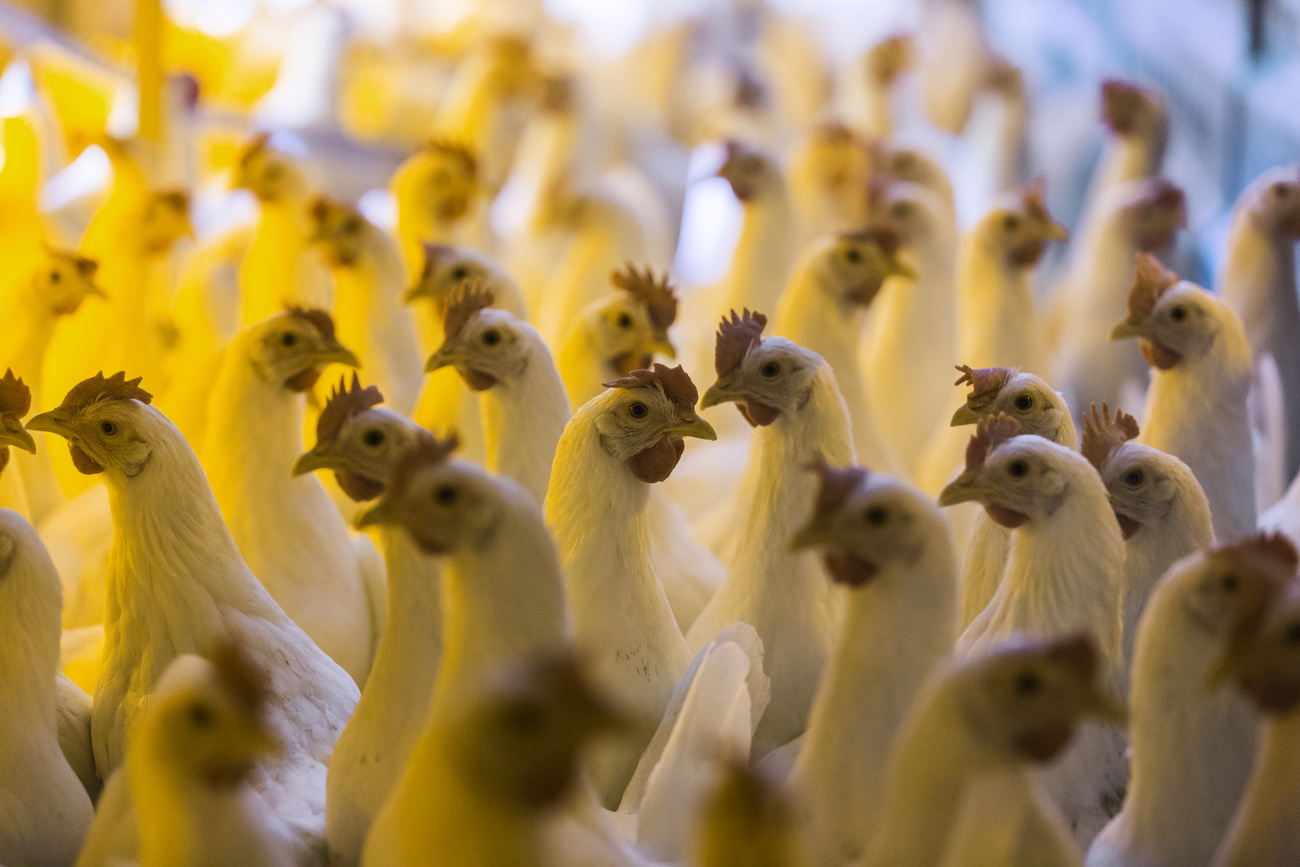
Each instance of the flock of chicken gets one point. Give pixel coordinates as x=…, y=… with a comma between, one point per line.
x=498, y=614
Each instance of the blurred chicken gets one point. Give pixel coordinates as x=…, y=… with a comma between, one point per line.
x=1191, y=746
x=746, y=822
x=996, y=149
x=823, y=309
x=190, y=762
x=1142, y=215
x=1020, y=701
x=1138, y=122
x=521, y=398
x=287, y=528
x=1062, y=576
x=176, y=582
x=48, y=810
x=888, y=545
x=1258, y=281
x=1160, y=506
x=1196, y=407
x=436, y=191
x=951, y=58
x=1261, y=660
x=827, y=171
x=368, y=288
x=788, y=394
x=360, y=441
x=616, y=446
x=15, y=402
x=867, y=86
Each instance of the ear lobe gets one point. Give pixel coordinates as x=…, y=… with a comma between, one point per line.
x=136, y=459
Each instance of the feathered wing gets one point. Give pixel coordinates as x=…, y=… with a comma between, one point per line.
x=73, y=709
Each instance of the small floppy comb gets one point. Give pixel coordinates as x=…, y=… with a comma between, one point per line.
x=97, y=388
x=989, y=434
x=985, y=383
x=675, y=383
x=655, y=293
x=736, y=336
x=471, y=297
x=1150, y=281
x=1121, y=100
x=891, y=57
x=344, y=403
x=1031, y=200
x=1103, y=434
x=15, y=396
x=321, y=320
x=834, y=484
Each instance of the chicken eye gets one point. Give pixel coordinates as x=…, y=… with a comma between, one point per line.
x=770, y=369
x=373, y=437
x=55, y=276
x=525, y=718
x=491, y=337
x=1133, y=478
x=639, y=410
x=624, y=321
x=1024, y=403
x=460, y=272
x=1293, y=634
x=1011, y=222
x=1178, y=314
x=902, y=210
x=351, y=225
x=1281, y=191
x=1228, y=583
x=853, y=255
x=876, y=516
x=109, y=428
x=445, y=495
x=1018, y=469
x=1028, y=683
x=201, y=716
x=288, y=339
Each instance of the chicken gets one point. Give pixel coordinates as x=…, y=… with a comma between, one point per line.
x=368, y=286
x=1142, y=215
x=47, y=810
x=434, y=189
x=1020, y=701
x=176, y=582
x=1063, y=575
x=1261, y=660
x=916, y=166
x=55, y=288
x=996, y=149
x=1138, y=121
x=827, y=173
x=1191, y=747
x=789, y=395
x=1196, y=407
x=908, y=353
x=279, y=268
x=190, y=759
x=359, y=441
x=823, y=309
x=868, y=83
x=1258, y=281
x=1160, y=506
x=888, y=545
x=996, y=308
x=490, y=767
x=521, y=398
x=616, y=446
x=951, y=57
x=746, y=822
x=618, y=334
x=288, y=530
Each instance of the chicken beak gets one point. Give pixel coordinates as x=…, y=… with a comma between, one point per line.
x=895, y=267
x=316, y=459
x=1054, y=231
x=1100, y=704
x=964, y=416
x=12, y=434
x=49, y=423
x=447, y=355
x=696, y=427
x=966, y=488
x=661, y=345
x=93, y=288
x=416, y=292
x=814, y=535
x=720, y=392
x=337, y=353
x=381, y=513
x=1129, y=328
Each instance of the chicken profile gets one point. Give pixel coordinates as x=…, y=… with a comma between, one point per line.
x=48, y=810
x=823, y=309
x=1258, y=281
x=491, y=767
x=828, y=170
x=1196, y=407
x=359, y=440
x=288, y=530
x=789, y=396
x=1182, y=733
x=888, y=545
x=176, y=582
x=1062, y=576
x=1017, y=703
x=435, y=190
x=1137, y=120
x=522, y=402
x=190, y=760
x=615, y=447
x=368, y=284
x=1261, y=660
x=1160, y=506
